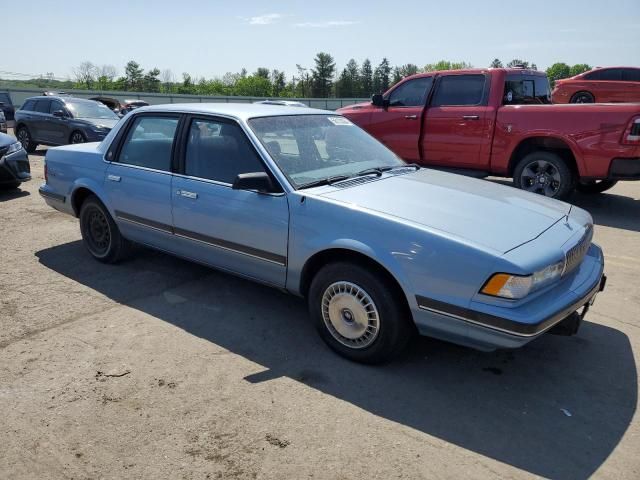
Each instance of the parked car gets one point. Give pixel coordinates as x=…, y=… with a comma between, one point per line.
x=497, y=122
x=3, y=123
x=129, y=105
x=14, y=163
x=113, y=103
x=284, y=103
x=303, y=200
x=6, y=105
x=601, y=85
x=51, y=120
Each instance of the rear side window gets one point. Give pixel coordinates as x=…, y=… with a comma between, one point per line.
x=219, y=151
x=412, y=93
x=29, y=105
x=149, y=142
x=610, y=74
x=631, y=75
x=459, y=90
x=42, y=106
x=521, y=90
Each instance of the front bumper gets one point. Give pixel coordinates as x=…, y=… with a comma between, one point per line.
x=15, y=168
x=510, y=328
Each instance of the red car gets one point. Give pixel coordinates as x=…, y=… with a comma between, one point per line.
x=498, y=122
x=601, y=85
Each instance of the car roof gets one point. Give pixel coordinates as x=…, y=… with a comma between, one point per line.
x=63, y=98
x=523, y=71
x=241, y=111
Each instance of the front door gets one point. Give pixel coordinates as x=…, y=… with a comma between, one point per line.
x=398, y=126
x=242, y=231
x=457, y=123
x=58, y=129
x=138, y=179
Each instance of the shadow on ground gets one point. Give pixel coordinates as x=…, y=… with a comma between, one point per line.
x=6, y=195
x=504, y=405
x=608, y=209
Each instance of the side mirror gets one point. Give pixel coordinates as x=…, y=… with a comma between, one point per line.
x=259, y=181
x=59, y=113
x=377, y=100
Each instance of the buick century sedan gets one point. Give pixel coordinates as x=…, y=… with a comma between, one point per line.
x=305, y=201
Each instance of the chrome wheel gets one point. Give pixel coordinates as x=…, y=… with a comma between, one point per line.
x=350, y=315
x=77, y=138
x=541, y=177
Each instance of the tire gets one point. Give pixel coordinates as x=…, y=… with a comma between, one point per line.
x=595, y=186
x=582, y=97
x=24, y=137
x=100, y=234
x=545, y=173
x=337, y=297
x=77, y=137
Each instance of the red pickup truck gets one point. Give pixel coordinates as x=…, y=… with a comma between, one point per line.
x=500, y=122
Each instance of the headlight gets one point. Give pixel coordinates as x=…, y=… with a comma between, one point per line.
x=13, y=148
x=519, y=286
x=100, y=128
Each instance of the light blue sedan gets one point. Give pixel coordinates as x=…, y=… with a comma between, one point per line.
x=305, y=201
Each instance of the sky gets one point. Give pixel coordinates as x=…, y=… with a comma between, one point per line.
x=210, y=37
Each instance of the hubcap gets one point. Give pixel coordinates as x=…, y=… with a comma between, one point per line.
x=23, y=138
x=541, y=177
x=98, y=233
x=350, y=315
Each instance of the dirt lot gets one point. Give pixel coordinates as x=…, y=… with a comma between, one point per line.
x=159, y=368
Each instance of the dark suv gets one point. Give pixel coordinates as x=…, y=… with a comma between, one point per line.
x=51, y=120
x=6, y=105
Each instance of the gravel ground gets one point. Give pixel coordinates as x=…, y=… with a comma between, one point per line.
x=158, y=368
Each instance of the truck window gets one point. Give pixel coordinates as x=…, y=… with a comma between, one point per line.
x=526, y=90
x=459, y=90
x=412, y=93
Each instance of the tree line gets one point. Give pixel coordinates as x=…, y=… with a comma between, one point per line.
x=322, y=80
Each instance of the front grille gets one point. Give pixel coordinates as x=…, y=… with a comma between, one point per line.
x=576, y=254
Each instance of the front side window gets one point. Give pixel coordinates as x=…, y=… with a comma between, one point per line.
x=220, y=151
x=42, y=106
x=311, y=148
x=459, y=90
x=611, y=74
x=90, y=109
x=412, y=93
x=56, y=105
x=149, y=142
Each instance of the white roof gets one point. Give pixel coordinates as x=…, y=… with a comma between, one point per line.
x=242, y=111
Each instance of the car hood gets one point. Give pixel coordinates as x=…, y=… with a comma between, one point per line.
x=104, y=122
x=477, y=211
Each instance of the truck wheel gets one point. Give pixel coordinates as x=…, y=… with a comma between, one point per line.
x=595, y=186
x=24, y=137
x=582, y=97
x=100, y=234
x=545, y=173
x=358, y=313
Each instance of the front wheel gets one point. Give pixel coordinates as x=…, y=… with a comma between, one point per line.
x=100, y=234
x=359, y=313
x=595, y=186
x=77, y=137
x=545, y=173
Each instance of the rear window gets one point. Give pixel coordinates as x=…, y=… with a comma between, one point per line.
x=458, y=90
x=526, y=90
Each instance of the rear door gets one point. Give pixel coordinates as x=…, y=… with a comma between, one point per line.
x=456, y=130
x=398, y=126
x=238, y=230
x=138, y=178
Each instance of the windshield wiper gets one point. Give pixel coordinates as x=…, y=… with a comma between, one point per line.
x=414, y=165
x=372, y=171
x=324, y=181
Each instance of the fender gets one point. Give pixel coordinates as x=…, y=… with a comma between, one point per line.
x=97, y=188
x=572, y=144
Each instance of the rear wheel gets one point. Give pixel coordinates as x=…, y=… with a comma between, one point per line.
x=77, y=137
x=100, y=233
x=359, y=313
x=24, y=137
x=545, y=173
x=583, y=97
x=595, y=186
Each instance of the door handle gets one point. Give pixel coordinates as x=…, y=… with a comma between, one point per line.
x=471, y=117
x=113, y=178
x=186, y=194
x=411, y=117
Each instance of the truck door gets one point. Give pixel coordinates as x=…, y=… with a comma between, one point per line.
x=398, y=125
x=456, y=130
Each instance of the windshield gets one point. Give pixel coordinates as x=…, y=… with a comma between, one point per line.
x=90, y=109
x=310, y=148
